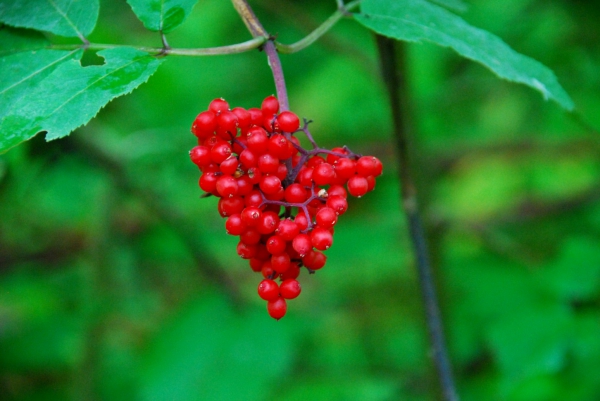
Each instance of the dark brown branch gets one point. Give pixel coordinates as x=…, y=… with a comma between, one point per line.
x=397, y=89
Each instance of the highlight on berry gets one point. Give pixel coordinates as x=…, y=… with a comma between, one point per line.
x=282, y=200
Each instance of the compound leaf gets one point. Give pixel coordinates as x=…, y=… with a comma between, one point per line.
x=69, y=96
x=70, y=18
x=162, y=15
x=419, y=20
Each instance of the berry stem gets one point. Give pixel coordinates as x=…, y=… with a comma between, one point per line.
x=399, y=107
x=257, y=30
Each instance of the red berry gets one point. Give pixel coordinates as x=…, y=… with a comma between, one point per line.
x=267, y=223
x=208, y=182
x=305, y=177
x=276, y=245
x=295, y=193
x=226, y=186
x=290, y=288
x=301, y=220
x=326, y=217
x=243, y=117
x=205, y=124
x=314, y=260
x=255, y=116
x=280, y=262
x=251, y=216
x=246, y=251
x=254, y=174
x=218, y=105
x=270, y=106
x=230, y=205
x=250, y=236
x=245, y=185
x=220, y=152
x=258, y=140
x=267, y=270
x=302, y=244
x=288, y=121
x=280, y=147
x=323, y=174
x=337, y=190
x=292, y=272
x=200, y=155
x=277, y=308
x=270, y=184
x=338, y=203
x=345, y=168
x=227, y=124
x=248, y=159
x=229, y=166
x=268, y=164
x=287, y=229
x=321, y=238
x=369, y=165
x=268, y=290
x=256, y=264
x=254, y=198
x=234, y=225
x=358, y=186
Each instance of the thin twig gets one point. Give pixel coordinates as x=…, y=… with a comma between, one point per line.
x=252, y=44
x=309, y=39
x=395, y=83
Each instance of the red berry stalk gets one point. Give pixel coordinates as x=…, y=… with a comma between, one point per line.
x=282, y=200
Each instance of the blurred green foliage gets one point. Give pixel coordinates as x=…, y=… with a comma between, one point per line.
x=118, y=283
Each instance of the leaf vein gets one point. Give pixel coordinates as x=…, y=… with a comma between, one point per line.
x=37, y=72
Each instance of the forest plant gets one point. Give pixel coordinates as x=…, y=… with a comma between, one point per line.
x=45, y=89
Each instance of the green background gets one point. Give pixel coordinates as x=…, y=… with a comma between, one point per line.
x=117, y=282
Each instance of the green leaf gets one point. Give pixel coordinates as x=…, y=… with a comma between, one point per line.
x=24, y=71
x=457, y=6
x=68, y=97
x=418, y=20
x=13, y=40
x=61, y=17
x=162, y=15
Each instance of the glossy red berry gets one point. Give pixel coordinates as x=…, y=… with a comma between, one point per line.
x=200, y=155
x=323, y=174
x=302, y=244
x=270, y=106
x=326, y=217
x=218, y=105
x=234, y=225
x=369, y=165
x=270, y=184
x=268, y=290
x=288, y=121
x=321, y=238
x=358, y=186
x=226, y=186
x=290, y=288
x=277, y=308
x=204, y=124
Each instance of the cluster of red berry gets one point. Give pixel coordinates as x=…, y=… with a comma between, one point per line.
x=282, y=200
